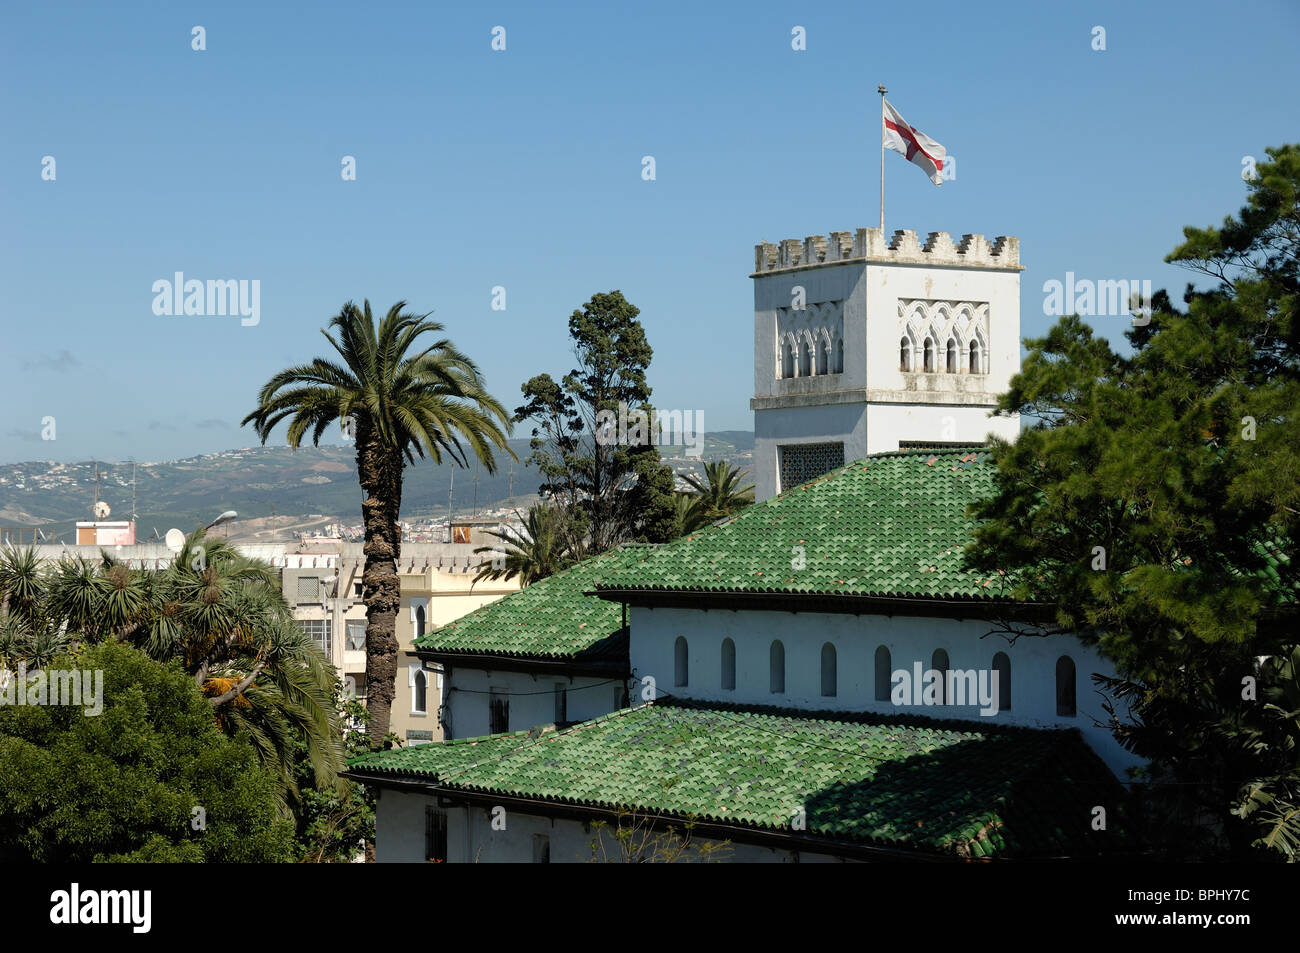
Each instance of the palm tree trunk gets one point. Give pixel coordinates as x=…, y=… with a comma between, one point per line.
x=380, y=472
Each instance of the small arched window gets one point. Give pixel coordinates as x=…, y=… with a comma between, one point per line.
x=777, y=659
x=939, y=663
x=952, y=356
x=825, y=366
x=929, y=356
x=884, y=674
x=1066, y=706
x=974, y=357
x=420, y=693
x=805, y=359
x=1002, y=665
x=728, y=665
x=787, y=360
x=419, y=621
x=904, y=355
x=829, y=676
x=681, y=663
x=839, y=357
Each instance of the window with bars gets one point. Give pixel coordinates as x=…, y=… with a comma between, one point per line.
x=309, y=589
x=356, y=634
x=807, y=461
x=319, y=631
x=435, y=835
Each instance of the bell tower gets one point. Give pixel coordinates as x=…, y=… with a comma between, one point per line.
x=863, y=345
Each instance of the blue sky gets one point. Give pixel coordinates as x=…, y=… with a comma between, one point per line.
x=522, y=169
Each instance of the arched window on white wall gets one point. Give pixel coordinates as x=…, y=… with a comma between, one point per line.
x=904, y=355
x=939, y=662
x=884, y=674
x=805, y=359
x=1002, y=665
x=681, y=663
x=830, y=679
x=824, y=366
x=952, y=356
x=418, y=680
x=419, y=621
x=787, y=360
x=728, y=665
x=929, y=355
x=1066, y=706
x=975, y=357
x=839, y=357
x=777, y=660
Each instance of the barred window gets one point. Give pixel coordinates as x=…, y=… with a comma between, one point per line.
x=309, y=589
x=435, y=835
x=807, y=461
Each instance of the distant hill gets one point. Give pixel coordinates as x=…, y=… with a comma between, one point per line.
x=272, y=481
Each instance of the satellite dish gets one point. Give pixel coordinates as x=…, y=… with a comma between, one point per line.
x=101, y=509
x=175, y=540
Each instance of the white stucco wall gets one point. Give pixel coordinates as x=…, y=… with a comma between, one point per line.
x=856, y=638
x=471, y=837
x=467, y=695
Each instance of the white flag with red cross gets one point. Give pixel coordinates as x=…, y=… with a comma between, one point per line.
x=913, y=144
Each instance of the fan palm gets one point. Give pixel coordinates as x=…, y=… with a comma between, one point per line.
x=534, y=552
x=403, y=400
x=719, y=493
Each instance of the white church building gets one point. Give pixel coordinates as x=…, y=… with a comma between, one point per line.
x=818, y=677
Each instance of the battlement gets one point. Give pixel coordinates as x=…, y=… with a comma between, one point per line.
x=869, y=245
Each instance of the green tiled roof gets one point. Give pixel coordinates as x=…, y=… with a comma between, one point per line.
x=548, y=619
x=888, y=525
x=959, y=789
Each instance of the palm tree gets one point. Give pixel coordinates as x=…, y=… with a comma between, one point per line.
x=535, y=552
x=403, y=401
x=719, y=493
x=217, y=612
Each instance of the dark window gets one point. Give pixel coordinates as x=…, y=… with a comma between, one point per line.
x=498, y=712
x=777, y=659
x=561, y=703
x=904, y=356
x=541, y=849
x=929, y=356
x=1002, y=665
x=884, y=674
x=939, y=662
x=829, y=675
x=681, y=663
x=1065, y=675
x=435, y=835
x=419, y=621
x=952, y=356
x=974, y=358
x=728, y=665
x=419, y=699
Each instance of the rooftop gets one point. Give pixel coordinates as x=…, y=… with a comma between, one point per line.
x=955, y=790
x=550, y=619
x=892, y=525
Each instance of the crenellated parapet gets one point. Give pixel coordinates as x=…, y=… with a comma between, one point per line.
x=903, y=247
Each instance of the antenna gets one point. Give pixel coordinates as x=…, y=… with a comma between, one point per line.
x=511, y=495
x=94, y=507
x=133, y=491
x=450, y=486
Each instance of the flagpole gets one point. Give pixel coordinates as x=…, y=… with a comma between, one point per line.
x=881, y=88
